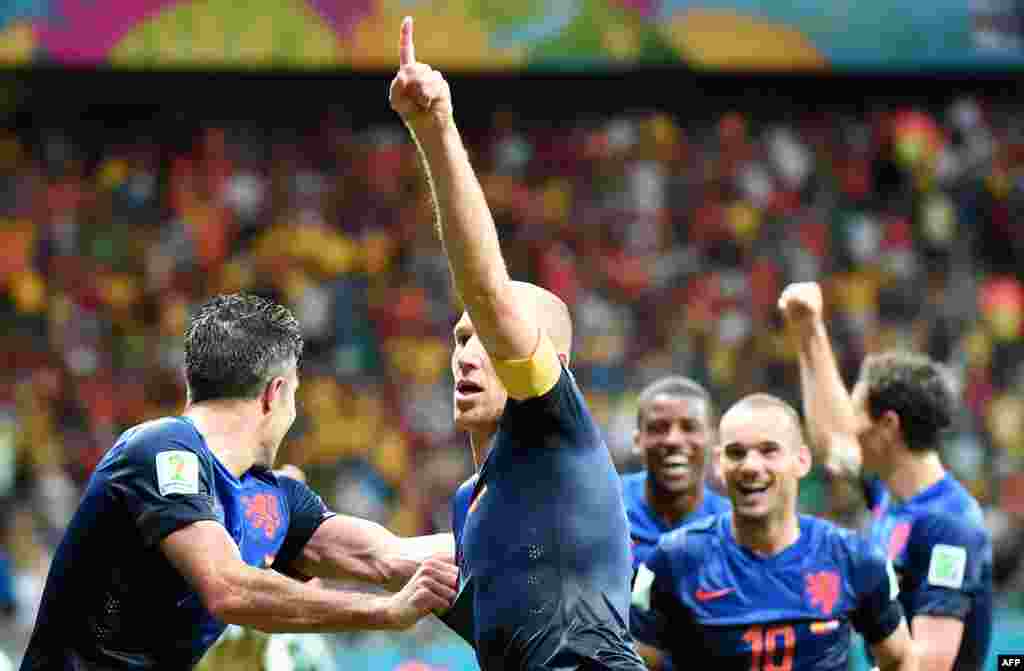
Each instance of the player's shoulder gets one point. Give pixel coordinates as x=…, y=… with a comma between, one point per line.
x=161, y=429
x=166, y=434
x=860, y=563
x=828, y=538
x=290, y=486
x=961, y=504
x=693, y=538
x=933, y=527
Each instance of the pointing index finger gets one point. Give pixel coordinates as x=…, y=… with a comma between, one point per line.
x=406, y=50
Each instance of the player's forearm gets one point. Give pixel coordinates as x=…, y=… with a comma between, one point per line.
x=270, y=602
x=825, y=399
x=349, y=548
x=402, y=556
x=506, y=326
x=425, y=546
x=465, y=222
x=406, y=555
x=908, y=661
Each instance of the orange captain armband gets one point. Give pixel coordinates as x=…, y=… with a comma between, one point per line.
x=529, y=378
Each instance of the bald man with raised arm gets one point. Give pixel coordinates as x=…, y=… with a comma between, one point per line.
x=542, y=539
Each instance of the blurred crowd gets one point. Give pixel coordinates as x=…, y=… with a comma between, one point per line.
x=669, y=239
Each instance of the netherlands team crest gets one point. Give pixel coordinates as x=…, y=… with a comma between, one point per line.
x=823, y=590
x=264, y=512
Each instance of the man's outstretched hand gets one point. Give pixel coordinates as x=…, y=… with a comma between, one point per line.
x=419, y=93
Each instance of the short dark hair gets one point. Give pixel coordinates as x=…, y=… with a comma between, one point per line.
x=762, y=400
x=236, y=344
x=674, y=386
x=916, y=389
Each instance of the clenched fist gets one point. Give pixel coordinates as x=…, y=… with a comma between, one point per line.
x=431, y=589
x=419, y=93
x=801, y=303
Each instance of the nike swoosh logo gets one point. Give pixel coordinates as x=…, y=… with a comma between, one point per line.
x=705, y=595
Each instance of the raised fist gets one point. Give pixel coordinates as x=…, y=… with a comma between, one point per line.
x=801, y=303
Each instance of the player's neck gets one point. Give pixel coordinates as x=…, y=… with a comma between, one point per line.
x=224, y=427
x=480, y=444
x=766, y=538
x=913, y=472
x=670, y=507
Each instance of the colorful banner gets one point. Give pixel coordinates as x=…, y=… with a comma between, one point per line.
x=566, y=35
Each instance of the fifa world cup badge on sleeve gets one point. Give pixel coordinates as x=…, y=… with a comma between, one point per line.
x=177, y=472
x=947, y=566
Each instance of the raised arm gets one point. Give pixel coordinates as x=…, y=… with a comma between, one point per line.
x=832, y=425
x=237, y=593
x=506, y=325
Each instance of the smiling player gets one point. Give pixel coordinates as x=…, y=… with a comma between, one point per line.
x=761, y=588
x=675, y=428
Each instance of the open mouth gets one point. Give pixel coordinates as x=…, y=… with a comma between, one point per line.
x=751, y=490
x=465, y=387
x=675, y=467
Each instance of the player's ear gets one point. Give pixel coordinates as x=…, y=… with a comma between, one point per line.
x=637, y=451
x=271, y=393
x=804, y=459
x=890, y=421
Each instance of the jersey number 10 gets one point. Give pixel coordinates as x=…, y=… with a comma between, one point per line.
x=763, y=647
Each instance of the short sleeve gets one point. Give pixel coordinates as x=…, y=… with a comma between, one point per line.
x=557, y=418
x=306, y=512
x=165, y=482
x=948, y=554
x=878, y=612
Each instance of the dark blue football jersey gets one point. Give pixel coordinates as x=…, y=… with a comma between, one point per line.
x=942, y=553
x=646, y=528
x=542, y=544
x=112, y=601
x=718, y=605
